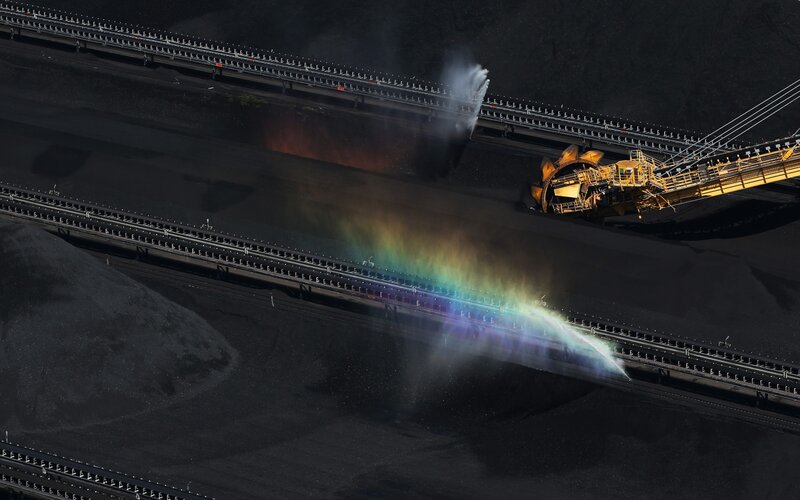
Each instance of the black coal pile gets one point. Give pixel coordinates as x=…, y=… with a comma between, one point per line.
x=80, y=342
x=689, y=64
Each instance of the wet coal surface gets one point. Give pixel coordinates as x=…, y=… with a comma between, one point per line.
x=220, y=194
x=59, y=161
x=69, y=149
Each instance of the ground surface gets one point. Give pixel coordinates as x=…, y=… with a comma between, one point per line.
x=322, y=405
x=82, y=342
x=692, y=65
x=180, y=151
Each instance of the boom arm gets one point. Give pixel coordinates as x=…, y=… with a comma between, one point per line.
x=641, y=183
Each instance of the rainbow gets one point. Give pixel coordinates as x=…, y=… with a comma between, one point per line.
x=454, y=262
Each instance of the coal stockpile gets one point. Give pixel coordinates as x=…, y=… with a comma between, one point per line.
x=329, y=404
x=324, y=403
x=668, y=285
x=579, y=55
x=660, y=62
x=82, y=342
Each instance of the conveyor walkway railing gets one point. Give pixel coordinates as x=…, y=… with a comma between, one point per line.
x=521, y=117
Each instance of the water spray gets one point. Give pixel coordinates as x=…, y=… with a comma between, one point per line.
x=490, y=310
x=467, y=85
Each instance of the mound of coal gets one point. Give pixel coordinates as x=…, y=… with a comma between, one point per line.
x=80, y=342
x=650, y=61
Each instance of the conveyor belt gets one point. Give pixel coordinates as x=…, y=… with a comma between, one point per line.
x=43, y=475
x=517, y=117
x=399, y=293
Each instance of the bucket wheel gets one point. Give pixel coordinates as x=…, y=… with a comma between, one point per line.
x=570, y=160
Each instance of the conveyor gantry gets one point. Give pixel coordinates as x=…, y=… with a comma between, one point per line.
x=519, y=119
